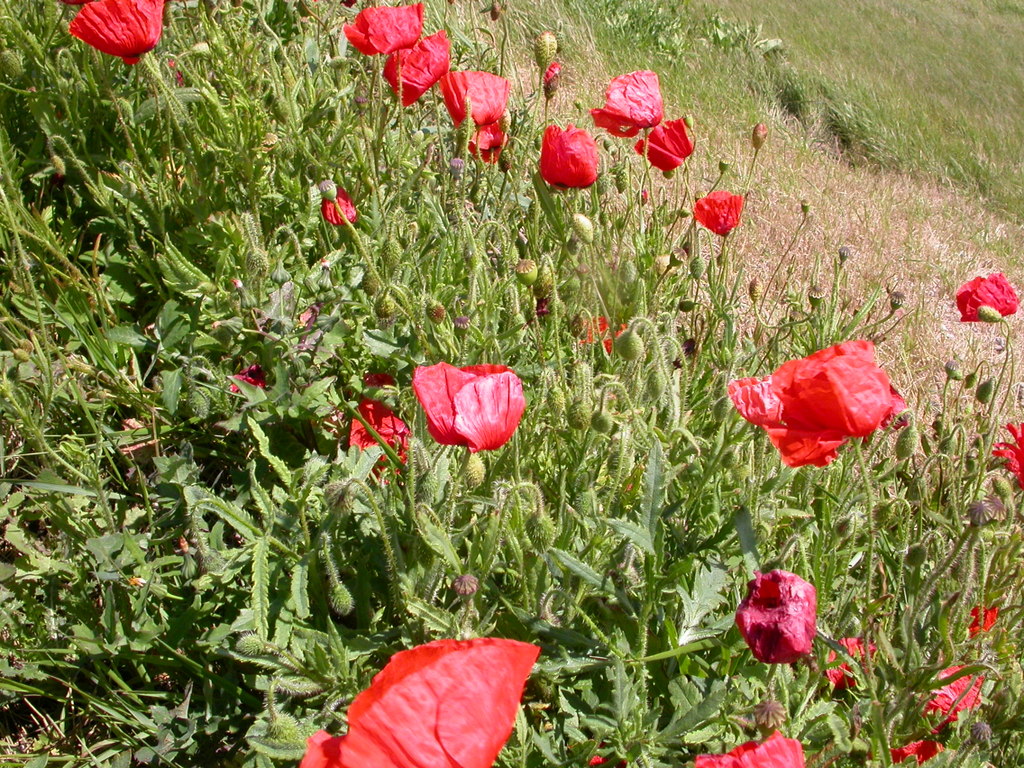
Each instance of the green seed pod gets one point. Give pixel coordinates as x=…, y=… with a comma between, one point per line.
x=579, y=413
x=602, y=422
x=340, y=599
x=280, y=275
x=629, y=345
x=908, y=442
x=916, y=555
x=474, y=471
x=583, y=227
x=985, y=391
x=527, y=272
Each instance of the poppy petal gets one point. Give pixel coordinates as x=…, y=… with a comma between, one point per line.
x=488, y=410
x=125, y=28
x=435, y=387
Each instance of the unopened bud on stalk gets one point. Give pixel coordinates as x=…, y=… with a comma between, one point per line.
x=545, y=283
x=340, y=599
x=505, y=122
x=250, y=646
x=552, y=78
x=257, y=263
x=435, y=310
x=328, y=190
x=578, y=414
x=758, y=136
x=601, y=422
x=754, y=290
x=696, y=267
x=583, y=227
x=527, y=272
x=629, y=345
x=989, y=314
x=985, y=391
x=687, y=305
x=59, y=168
x=474, y=471
x=916, y=555
x=908, y=441
x=385, y=308
x=11, y=65
x=545, y=48
x=496, y=10
x=1003, y=488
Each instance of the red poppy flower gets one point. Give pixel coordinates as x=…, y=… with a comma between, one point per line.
x=778, y=617
x=983, y=619
x=487, y=142
x=667, y=146
x=421, y=66
x=75, y=2
x=339, y=210
x=252, y=375
x=841, y=677
x=1013, y=452
x=719, y=211
x=950, y=700
x=921, y=750
x=631, y=102
x=446, y=704
x=125, y=28
x=383, y=29
x=993, y=291
x=488, y=96
x=568, y=158
x=392, y=429
x=479, y=406
x=552, y=76
x=811, y=406
x=599, y=330
x=598, y=760
x=775, y=752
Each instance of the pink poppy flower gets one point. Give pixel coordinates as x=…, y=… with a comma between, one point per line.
x=632, y=102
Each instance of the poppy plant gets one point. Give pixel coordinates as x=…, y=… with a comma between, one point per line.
x=993, y=291
x=667, y=146
x=446, y=704
x=1013, y=452
x=778, y=617
x=982, y=619
x=568, y=158
x=384, y=421
x=418, y=67
x=383, y=29
x=841, y=676
x=487, y=94
x=922, y=751
x=477, y=406
x=631, y=102
x=125, y=28
x=339, y=210
x=774, y=752
x=811, y=406
x=719, y=211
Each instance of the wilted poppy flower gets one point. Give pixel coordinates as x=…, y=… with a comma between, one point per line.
x=420, y=66
x=392, y=429
x=478, y=406
x=841, y=676
x=778, y=617
x=631, y=102
x=950, y=700
x=811, y=406
x=719, y=211
x=552, y=76
x=488, y=96
x=568, y=158
x=598, y=329
x=775, y=752
x=667, y=146
x=993, y=291
x=382, y=29
x=446, y=704
x=982, y=619
x=125, y=28
x=252, y=375
x=1013, y=452
x=339, y=210
x=487, y=142
x=920, y=750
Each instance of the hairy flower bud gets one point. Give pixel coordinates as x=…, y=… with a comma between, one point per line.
x=545, y=48
x=583, y=228
x=629, y=345
x=758, y=136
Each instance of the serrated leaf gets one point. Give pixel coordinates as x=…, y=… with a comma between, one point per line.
x=300, y=594
x=261, y=588
x=578, y=568
x=201, y=499
x=654, y=480
x=748, y=540
x=634, y=533
x=276, y=464
x=438, y=541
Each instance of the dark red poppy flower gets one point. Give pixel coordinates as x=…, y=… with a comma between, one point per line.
x=598, y=329
x=339, y=210
x=420, y=66
x=811, y=406
x=383, y=29
x=125, y=28
x=552, y=76
x=842, y=676
x=568, y=158
x=778, y=617
x=598, y=760
x=487, y=93
x=667, y=146
x=252, y=375
x=392, y=429
x=478, y=406
x=487, y=142
x=922, y=751
x=993, y=291
x=631, y=102
x=982, y=619
x=719, y=211
x=775, y=752
x=446, y=704
x=75, y=2
x=950, y=700
x=1013, y=452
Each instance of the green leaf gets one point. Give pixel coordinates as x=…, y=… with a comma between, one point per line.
x=579, y=568
x=261, y=588
x=633, y=532
x=654, y=480
x=300, y=594
x=264, y=444
x=748, y=540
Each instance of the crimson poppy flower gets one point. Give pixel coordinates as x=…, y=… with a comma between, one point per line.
x=631, y=102
x=599, y=330
x=667, y=146
x=488, y=96
x=950, y=700
x=993, y=291
x=983, y=619
x=478, y=406
x=922, y=751
x=340, y=210
x=1013, y=452
x=774, y=752
x=487, y=142
x=446, y=704
x=552, y=76
x=719, y=211
x=252, y=375
x=841, y=677
x=420, y=66
x=392, y=429
x=568, y=158
x=125, y=28
x=811, y=406
x=778, y=617
x=383, y=29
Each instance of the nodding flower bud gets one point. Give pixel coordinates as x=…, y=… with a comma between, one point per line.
x=754, y=290
x=629, y=345
x=505, y=123
x=989, y=314
x=545, y=47
x=328, y=190
x=474, y=471
x=583, y=227
x=435, y=310
x=758, y=136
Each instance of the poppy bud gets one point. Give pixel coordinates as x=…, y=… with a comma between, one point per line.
x=340, y=599
x=59, y=168
x=545, y=284
x=629, y=345
x=473, y=470
x=953, y=372
x=696, y=267
x=527, y=272
x=601, y=422
x=970, y=380
x=987, y=314
x=284, y=730
x=11, y=65
x=540, y=530
x=496, y=10
x=552, y=78
x=778, y=617
x=687, y=305
x=908, y=442
x=370, y=283
x=1003, y=489
x=579, y=414
x=769, y=716
x=583, y=228
x=385, y=308
x=619, y=175
x=256, y=263
x=251, y=646
x=754, y=290
x=916, y=555
x=985, y=391
x=545, y=48
x=466, y=585
x=758, y=136
x=198, y=403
